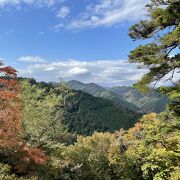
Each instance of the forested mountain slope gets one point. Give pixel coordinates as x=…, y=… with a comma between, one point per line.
x=149, y=102
x=125, y=96
x=89, y=114
x=98, y=91
x=85, y=114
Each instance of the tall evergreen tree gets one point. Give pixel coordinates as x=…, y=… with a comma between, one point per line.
x=161, y=55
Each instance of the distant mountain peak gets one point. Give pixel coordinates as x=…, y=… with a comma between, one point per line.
x=75, y=81
x=125, y=96
x=98, y=91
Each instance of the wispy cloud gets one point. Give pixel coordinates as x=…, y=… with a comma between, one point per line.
x=63, y=12
x=98, y=13
x=40, y=3
x=108, y=13
x=104, y=72
x=32, y=59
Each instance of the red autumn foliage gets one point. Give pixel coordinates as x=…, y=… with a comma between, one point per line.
x=11, y=143
x=10, y=107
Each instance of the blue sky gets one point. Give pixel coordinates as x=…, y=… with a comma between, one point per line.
x=85, y=40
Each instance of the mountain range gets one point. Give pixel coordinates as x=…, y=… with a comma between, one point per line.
x=93, y=108
x=84, y=113
x=87, y=114
x=125, y=96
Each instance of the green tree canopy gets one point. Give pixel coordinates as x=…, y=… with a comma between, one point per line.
x=42, y=115
x=161, y=55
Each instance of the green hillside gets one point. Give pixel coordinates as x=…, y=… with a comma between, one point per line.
x=150, y=102
x=91, y=114
x=98, y=91
x=85, y=114
x=125, y=96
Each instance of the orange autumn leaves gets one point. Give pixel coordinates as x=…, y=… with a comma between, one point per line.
x=10, y=106
x=11, y=130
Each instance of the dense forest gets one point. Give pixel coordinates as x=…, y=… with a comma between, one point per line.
x=44, y=128
x=128, y=97
x=82, y=113
x=98, y=91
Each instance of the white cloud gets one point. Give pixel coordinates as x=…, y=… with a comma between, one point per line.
x=63, y=12
x=32, y=59
x=104, y=72
x=78, y=70
x=108, y=13
x=98, y=13
x=40, y=3
x=58, y=27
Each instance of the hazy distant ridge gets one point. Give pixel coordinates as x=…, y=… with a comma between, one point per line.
x=125, y=96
